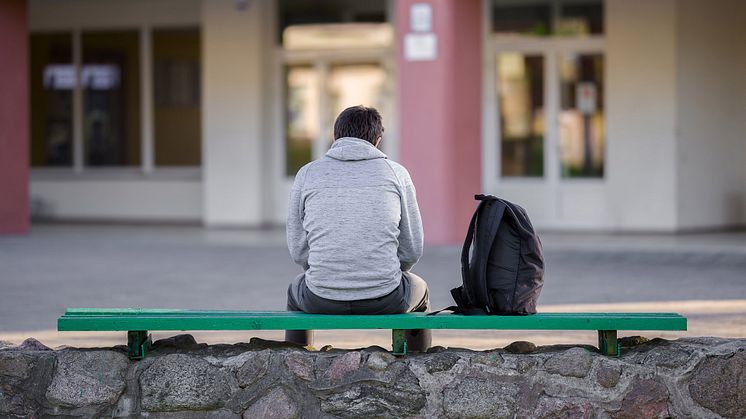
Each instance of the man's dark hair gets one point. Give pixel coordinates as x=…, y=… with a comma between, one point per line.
x=359, y=122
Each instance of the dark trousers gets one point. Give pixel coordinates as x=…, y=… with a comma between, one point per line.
x=410, y=296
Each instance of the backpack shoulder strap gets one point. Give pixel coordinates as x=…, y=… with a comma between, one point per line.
x=485, y=236
x=465, y=296
x=473, y=293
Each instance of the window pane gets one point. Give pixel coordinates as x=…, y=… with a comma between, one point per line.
x=548, y=17
x=302, y=116
x=356, y=84
x=300, y=13
x=339, y=36
x=520, y=85
x=176, y=85
x=581, y=18
x=110, y=77
x=582, y=122
x=522, y=17
x=52, y=81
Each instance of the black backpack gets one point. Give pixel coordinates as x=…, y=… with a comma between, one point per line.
x=506, y=270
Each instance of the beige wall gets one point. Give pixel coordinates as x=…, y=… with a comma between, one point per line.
x=234, y=111
x=711, y=90
x=120, y=198
x=641, y=108
x=109, y=14
x=115, y=193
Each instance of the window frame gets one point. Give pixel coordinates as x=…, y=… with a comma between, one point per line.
x=147, y=167
x=551, y=49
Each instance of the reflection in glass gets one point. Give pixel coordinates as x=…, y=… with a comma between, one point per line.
x=319, y=13
x=301, y=117
x=176, y=86
x=548, y=17
x=582, y=127
x=339, y=35
x=520, y=85
x=356, y=84
x=110, y=78
x=527, y=18
x=581, y=18
x=52, y=80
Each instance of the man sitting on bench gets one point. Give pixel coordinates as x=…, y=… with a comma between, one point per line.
x=355, y=228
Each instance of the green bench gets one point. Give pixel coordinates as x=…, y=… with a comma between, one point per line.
x=137, y=322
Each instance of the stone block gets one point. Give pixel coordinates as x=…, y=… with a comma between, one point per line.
x=441, y=362
x=399, y=397
x=343, y=365
x=480, y=397
x=182, y=382
x=24, y=378
x=84, y=378
x=491, y=359
x=574, y=362
x=379, y=361
x=608, y=376
x=719, y=384
x=564, y=408
x=647, y=399
x=520, y=347
x=254, y=368
x=301, y=365
x=276, y=404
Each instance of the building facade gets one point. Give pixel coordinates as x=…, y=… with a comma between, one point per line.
x=615, y=115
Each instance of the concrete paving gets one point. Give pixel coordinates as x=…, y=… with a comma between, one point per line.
x=69, y=265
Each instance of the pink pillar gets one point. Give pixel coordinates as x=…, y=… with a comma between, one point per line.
x=440, y=116
x=14, y=118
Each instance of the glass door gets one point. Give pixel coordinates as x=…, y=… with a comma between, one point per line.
x=582, y=115
x=520, y=90
x=549, y=123
x=315, y=93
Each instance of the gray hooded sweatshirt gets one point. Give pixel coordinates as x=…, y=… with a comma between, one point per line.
x=353, y=222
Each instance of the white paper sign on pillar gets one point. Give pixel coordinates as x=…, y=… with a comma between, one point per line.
x=421, y=17
x=420, y=47
x=421, y=44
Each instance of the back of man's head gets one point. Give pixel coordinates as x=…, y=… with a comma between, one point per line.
x=359, y=122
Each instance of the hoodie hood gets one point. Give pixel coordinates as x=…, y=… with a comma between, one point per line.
x=351, y=149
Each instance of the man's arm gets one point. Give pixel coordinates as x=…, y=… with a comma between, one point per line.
x=296, y=235
x=410, y=226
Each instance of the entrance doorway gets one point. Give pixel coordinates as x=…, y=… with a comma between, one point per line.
x=316, y=92
x=544, y=141
x=321, y=69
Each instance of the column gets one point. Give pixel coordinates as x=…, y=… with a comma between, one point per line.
x=440, y=73
x=14, y=118
x=233, y=109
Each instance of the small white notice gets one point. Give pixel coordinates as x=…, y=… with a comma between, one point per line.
x=421, y=17
x=586, y=97
x=420, y=47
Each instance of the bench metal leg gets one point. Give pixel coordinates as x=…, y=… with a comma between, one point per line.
x=138, y=343
x=399, y=341
x=607, y=342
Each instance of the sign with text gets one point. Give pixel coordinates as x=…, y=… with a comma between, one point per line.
x=420, y=47
x=586, y=97
x=421, y=17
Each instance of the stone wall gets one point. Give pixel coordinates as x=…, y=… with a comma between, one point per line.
x=694, y=377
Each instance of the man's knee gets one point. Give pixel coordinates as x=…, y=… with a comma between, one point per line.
x=293, y=295
x=416, y=283
x=419, y=295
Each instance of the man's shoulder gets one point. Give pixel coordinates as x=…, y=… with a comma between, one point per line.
x=399, y=170
x=301, y=174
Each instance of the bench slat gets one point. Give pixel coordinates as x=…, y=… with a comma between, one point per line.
x=172, y=319
x=182, y=312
